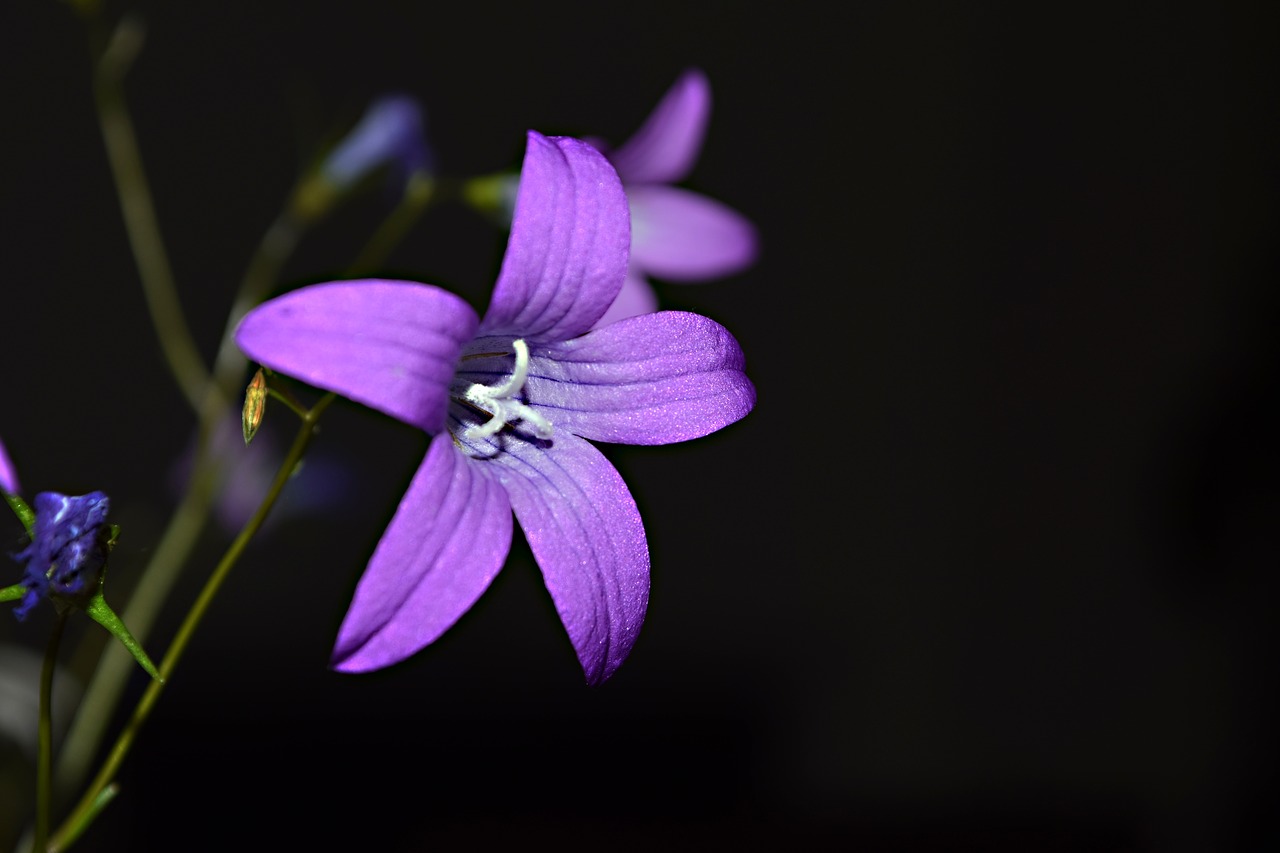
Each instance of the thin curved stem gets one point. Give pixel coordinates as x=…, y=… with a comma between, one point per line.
x=210, y=392
x=275, y=248
x=138, y=210
x=111, y=674
x=44, y=755
x=190, y=517
x=419, y=192
x=87, y=808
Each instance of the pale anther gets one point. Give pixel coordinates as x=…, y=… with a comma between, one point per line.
x=500, y=401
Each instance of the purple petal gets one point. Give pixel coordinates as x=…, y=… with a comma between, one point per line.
x=8, y=474
x=445, y=544
x=391, y=345
x=683, y=236
x=636, y=297
x=567, y=254
x=586, y=534
x=665, y=147
x=654, y=379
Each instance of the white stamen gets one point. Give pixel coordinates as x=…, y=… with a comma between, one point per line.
x=500, y=401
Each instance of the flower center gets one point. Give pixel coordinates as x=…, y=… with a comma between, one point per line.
x=500, y=402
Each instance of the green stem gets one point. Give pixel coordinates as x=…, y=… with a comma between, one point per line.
x=286, y=397
x=138, y=210
x=189, y=519
x=44, y=756
x=268, y=259
x=208, y=392
x=111, y=674
x=88, y=806
x=419, y=192
x=25, y=514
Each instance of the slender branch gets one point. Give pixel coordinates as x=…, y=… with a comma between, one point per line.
x=209, y=392
x=44, y=757
x=111, y=675
x=419, y=192
x=87, y=807
x=268, y=259
x=189, y=519
x=138, y=210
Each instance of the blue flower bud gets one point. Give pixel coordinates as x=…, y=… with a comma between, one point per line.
x=68, y=547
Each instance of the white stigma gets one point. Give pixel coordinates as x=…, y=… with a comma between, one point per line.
x=501, y=403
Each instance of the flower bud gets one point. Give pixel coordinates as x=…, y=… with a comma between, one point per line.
x=69, y=546
x=255, y=406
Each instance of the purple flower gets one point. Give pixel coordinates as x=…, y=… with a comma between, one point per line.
x=8, y=475
x=391, y=133
x=509, y=400
x=67, y=539
x=677, y=235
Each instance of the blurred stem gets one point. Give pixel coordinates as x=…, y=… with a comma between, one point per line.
x=419, y=191
x=115, y=665
x=111, y=62
x=275, y=248
x=189, y=519
x=89, y=807
x=44, y=756
x=210, y=393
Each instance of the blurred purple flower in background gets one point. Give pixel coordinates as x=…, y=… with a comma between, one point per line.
x=8, y=476
x=509, y=400
x=391, y=133
x=246, y=472
x=676, y=235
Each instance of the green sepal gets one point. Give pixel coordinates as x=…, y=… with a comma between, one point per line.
x=13, y=593
x=25, y=514
x=99, y=611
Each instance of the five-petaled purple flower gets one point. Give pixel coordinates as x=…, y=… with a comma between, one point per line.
x=509, y=400
x=67, y=538
x=8, y=476
x=677, y=235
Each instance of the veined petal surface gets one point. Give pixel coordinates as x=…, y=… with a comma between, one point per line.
x=586, y=535
x=666, y=146
x=567, y=253
x=445, y=544
x=391, y=345
x=680, y=235
x=654, y=379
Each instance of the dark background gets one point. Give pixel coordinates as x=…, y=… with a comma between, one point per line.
x=991, y=565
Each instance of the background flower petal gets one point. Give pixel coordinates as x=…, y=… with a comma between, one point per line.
x=8, y=475
x=567, y=254
x=391, y=132
x=653, y=379
x=445, y=544
x=391, y=345
x=586, y=534
x=680, y=235
x=665, y=147
x=636, y=297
